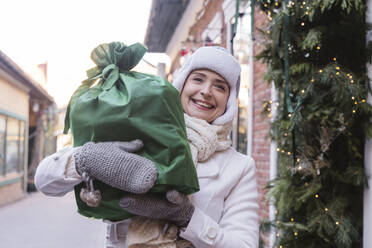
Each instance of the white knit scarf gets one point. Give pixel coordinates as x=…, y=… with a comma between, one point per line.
x=204, y=139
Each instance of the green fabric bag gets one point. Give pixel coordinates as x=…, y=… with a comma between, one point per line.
x=123, y=106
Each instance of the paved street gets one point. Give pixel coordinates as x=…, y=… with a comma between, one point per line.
x=38, y=221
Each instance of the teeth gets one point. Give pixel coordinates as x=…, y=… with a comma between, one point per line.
x=203, y=104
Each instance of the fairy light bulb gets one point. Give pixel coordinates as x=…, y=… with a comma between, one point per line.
x=334, y=59
x=363, y=100
x=292, y=219
x=337, y=223
x=320, y=70
x=312, y=80
x=283, y=151
x=316, y=196
x=295, y=234
x=289, y=115
x=353, y=98
x=278, y=234
x=298, y=160
x=302, y=91
x=302, y=24
x=326, y=209
x=354, y=111
x=318, y=47
x=289, y=153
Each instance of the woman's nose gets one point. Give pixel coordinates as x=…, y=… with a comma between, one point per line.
x=206, y=90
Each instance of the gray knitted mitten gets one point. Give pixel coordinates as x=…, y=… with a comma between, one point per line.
x=176, y=207
x=114, y=164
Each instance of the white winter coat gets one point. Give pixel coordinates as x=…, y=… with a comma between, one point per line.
x=226, y=207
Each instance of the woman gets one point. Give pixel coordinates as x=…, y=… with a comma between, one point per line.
x=223, y=214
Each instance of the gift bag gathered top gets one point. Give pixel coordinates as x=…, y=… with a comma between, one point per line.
x=116, y=104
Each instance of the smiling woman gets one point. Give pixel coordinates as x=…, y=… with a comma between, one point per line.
x=205, y=95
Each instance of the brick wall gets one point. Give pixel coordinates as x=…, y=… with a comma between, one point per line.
x=261, y=124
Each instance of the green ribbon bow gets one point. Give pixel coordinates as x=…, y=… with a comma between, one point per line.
x=114, y=58
x=111, y=60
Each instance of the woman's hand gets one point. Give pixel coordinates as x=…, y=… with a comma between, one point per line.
x=115, y=164
x=175, y=207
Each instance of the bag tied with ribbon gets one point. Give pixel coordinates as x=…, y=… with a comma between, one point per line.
x=117, y=104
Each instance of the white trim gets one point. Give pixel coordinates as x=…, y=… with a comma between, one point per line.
x=182, y=30
x=228, y=7
x=273, y=160
x=367, y=214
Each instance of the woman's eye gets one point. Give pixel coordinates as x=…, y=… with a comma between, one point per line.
x=221, y=87
x=198, y=79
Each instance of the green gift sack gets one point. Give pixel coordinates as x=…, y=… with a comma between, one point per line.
x=116, y=104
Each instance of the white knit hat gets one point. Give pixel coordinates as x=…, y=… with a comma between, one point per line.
x=219, y=60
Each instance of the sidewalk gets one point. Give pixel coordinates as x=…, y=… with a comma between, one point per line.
x=38, y=221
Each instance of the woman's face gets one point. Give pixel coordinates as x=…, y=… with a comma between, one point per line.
x=205, y=95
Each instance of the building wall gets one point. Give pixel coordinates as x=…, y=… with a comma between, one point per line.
x=261, y=124
x=14, y=102
x=13, y=99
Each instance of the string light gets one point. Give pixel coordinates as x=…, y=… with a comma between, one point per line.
x=300, y=168
x=352, y=81
x=302, y=24
x=278, y=234
x=292, y=219
x=337, y=73
x=318, y=47
x=337, y=223
x=298, y=160
x=320, y=70
x=285, y=134
x=276, y=4
x=283, y=151
x=289, y=153
x=302, y=91
x=268, y=31
x=295, y=233
x=312, y=80
x=352, y=98
x=278, y=222
x=354, y=111
x=337, y=68
x=289, y=115
x=334, y=59
x=355, y=102
x=277, y=149
x=316, y=196
x=326, y=209
x=363, y=100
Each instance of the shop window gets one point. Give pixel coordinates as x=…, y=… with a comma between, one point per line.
x=12, y=145
x=2, y=144
x=22, y=144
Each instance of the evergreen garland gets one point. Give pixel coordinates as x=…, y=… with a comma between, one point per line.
x=319, y=188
